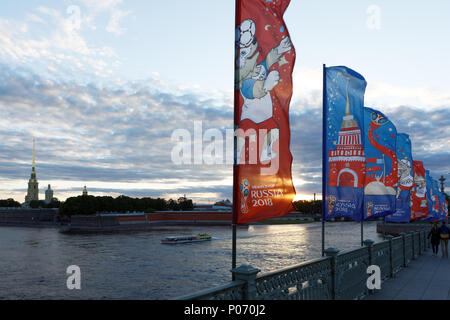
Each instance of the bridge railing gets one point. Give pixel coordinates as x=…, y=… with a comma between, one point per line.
x=310, y=280
x=338, y=276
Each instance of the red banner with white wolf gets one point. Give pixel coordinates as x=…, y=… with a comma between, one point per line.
x=264, y=63
x=419, y=202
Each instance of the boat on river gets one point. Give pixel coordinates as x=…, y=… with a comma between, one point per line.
x=187, y=239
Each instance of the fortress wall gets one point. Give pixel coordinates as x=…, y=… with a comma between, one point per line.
x=29, y=217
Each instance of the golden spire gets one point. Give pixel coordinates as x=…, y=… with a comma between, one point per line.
x=34, y=152
x=347, y=107
x=348, y=121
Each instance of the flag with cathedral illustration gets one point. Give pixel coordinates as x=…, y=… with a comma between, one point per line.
x=402, y=212
x=443, y=203
x=381, y=177
x=443, y=210
x=344, y=152
x=445, y=215
x=419, y=203
x=433, y=201
x=264, y=63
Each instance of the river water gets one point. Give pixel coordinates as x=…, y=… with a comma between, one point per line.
x=33, y=262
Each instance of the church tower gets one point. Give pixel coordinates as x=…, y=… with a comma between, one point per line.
x=48, y=195
x=348, y=162
x=33, y=185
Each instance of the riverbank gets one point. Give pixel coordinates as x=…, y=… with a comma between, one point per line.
x=29, y=218
x=285, y=221
x=117, y=222
x=395, y=229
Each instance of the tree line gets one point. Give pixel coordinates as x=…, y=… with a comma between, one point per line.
x=9, y=203
x=83, y=205
x=308, y=206
x=88, y=205
x=91, y=204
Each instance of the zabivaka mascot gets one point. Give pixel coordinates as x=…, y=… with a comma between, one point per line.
x=255, y=81
x=405, y=179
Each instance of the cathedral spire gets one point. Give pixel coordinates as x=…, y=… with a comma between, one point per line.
x=347, y=107
x=348, y=121
x=34, y=154
x=85, y=192
x=33, y=184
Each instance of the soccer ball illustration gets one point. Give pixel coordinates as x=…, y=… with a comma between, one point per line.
x=245, y=33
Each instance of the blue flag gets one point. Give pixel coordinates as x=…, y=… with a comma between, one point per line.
x=344, y=151
x=442, y=207
x=381, y=165
x=432, y=199
x=402, y=213
x=445, y=213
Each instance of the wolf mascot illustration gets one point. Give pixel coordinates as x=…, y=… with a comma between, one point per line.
x=255, y=82
x=405, y=178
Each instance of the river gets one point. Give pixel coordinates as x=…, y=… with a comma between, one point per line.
x=33, y=262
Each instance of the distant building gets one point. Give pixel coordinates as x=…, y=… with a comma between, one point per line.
x=442, y=180
x=48, y=195
x=85, y=192
x=221, y=206
x=33, y=185
x=224, y=203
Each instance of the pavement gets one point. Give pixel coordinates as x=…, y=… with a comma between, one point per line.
x=426, y=278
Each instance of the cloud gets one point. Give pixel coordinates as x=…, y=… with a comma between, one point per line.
x=392, y=97
x=51, y=43
x=385, y=96
x=117, y=139
x=111, y=135
x=114, y=23
x=100, y=5
x=112, y=7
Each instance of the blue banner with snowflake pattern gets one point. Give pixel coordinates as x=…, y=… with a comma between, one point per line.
x=344, y=152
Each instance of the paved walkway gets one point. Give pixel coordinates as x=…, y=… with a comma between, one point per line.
x=426, y=278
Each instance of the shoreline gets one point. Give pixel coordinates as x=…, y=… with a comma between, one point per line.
x=399, y=228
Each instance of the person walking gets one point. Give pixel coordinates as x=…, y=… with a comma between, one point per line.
x=444, y=232
x=435, y=238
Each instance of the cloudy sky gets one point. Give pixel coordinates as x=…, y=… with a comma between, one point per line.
x=103, y=84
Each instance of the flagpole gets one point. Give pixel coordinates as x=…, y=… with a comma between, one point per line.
x=324, y=180
x=363, y=197
x=235, y=162
x=362, y=228
x=235, y=212
x=363, y=194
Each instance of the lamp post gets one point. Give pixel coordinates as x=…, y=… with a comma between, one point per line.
x=442, y=180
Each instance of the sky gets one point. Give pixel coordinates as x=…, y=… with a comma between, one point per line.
x=102, y=85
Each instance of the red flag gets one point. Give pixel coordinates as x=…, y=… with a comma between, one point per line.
x=264, y=63
x=419, y=204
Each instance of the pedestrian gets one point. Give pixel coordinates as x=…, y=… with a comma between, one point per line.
x=435, y=236
x=444, y=232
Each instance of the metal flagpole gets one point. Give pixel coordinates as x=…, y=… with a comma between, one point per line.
x=324, y=180
x=235, y=212
x=235, y=164
x=363, y=195
x=362, y=228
